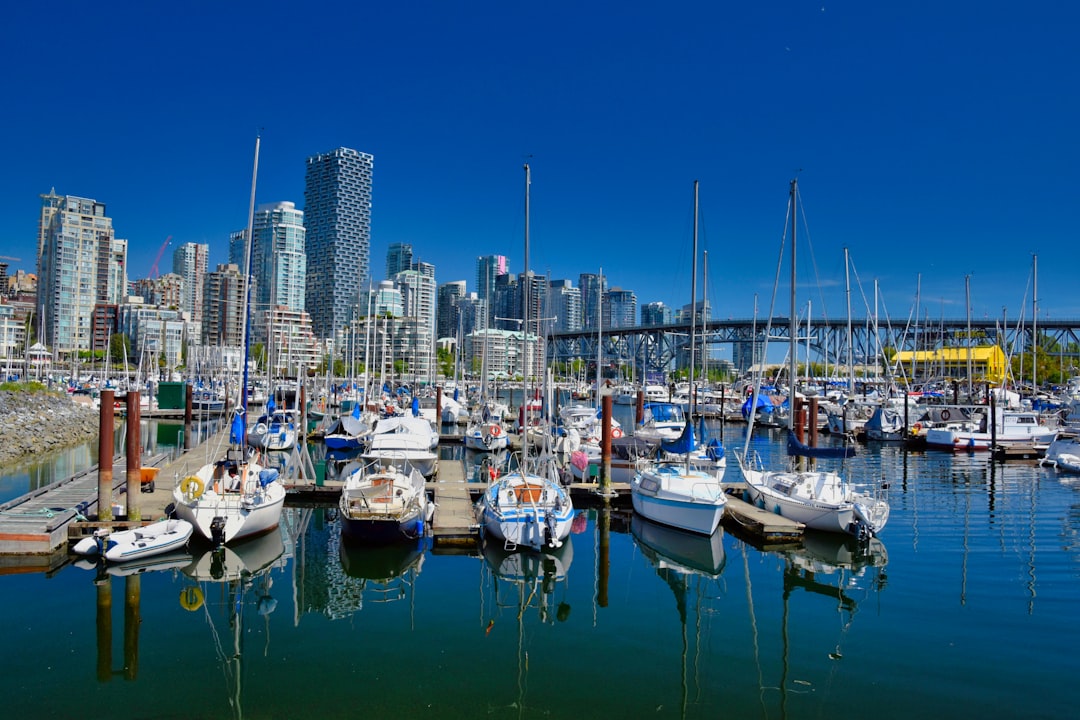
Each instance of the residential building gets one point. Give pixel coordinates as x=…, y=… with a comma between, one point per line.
x=447, y=311
x=278, y=261
x=164, y=291
x=81, y=263
x=337, y=216
x=156, y=333
x=656, y=313
x=564, y=304
x=503, y=352
x=592, y=287
x=223, y=307
x=191, y=261
x=399, y=257
x=418, y=296
x=620, y=308
x=488, y=269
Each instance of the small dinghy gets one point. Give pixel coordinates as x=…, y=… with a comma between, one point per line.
x=153, y=539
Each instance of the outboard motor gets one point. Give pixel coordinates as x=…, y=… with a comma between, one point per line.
x=217, y=530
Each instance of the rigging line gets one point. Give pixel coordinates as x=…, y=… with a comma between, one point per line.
x=813, y=258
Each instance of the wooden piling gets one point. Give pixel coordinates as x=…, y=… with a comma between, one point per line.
x=105, y=454
x=134, y=456
x=812, y=422
x=639, y=412
x=189, y=442
x=605, y=444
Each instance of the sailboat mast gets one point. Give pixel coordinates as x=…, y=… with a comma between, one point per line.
x=245, y=335
x=693, y=324
x=525, y=333
x=792, y=320
x=1034, y=325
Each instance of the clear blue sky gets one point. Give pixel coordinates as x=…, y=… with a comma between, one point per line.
x=932, y=137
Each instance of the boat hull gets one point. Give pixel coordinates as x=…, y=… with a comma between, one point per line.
x=693, y=501
x=531, y=513
x=139, y=543
x=222, y=516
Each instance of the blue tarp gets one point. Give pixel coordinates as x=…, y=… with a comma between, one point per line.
x=763, y=403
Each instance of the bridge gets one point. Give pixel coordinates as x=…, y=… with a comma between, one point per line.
x=659, y=347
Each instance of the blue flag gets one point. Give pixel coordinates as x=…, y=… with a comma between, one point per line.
x=356, y=411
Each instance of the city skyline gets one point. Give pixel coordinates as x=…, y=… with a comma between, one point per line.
x=933, y=141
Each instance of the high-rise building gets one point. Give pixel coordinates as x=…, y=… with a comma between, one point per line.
x=191, y=261
x=488, y=268
x=448, y=313
x=592, y=287
x=223, y=307
x=398, y=257
x=278, y=260
x=620, y=308
x=418, y=295
x=655, y=313
x=564, y=304
x=337, y=215
x=80, y=264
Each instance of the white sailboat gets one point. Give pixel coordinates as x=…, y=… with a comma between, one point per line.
x=233, y=497
x=527, y=506
x=820, y=499
x=677, y=493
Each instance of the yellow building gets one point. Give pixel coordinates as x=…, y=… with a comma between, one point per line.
x=988, y=363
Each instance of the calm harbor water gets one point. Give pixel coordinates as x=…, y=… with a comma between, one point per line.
x=965, y=607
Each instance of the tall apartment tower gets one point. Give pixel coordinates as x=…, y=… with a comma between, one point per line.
x=592, y=288
x=564, y=304
x=448, y=312
x=488, y=268
x=337, y=215
x=620, y=308
x=223, y=307
x=81, y=264
x=278, y=261
x=398, y=257
x=191, y=261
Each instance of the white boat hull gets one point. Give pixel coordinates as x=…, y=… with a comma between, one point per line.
x=668, y=494
x=138, y=543
x=532, y=512
x=223, y=516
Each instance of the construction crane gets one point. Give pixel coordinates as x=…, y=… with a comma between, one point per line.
x=160, y=252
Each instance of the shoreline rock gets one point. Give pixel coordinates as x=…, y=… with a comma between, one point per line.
x=36, y=423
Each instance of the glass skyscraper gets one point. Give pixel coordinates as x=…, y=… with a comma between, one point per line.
x=337, y=215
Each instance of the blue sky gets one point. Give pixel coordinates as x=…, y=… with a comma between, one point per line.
x=933, y=138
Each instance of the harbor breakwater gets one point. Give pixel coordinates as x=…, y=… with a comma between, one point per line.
x=37, y=422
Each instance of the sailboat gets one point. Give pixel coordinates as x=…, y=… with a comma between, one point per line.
x=234, y=497
x=820, y=499
x=677, y=493
x=527, y=506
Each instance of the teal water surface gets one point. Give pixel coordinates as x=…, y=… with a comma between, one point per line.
x=964, y=607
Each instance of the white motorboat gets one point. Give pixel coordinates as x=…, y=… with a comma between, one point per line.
x=402, y=436
x=522, y=508
x=384, y=503
x=157, y=538
x=1012, y=427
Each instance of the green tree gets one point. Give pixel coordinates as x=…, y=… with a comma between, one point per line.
x=119, y=347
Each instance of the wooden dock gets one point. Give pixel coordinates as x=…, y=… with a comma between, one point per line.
x=454, y=528
x=763, y=526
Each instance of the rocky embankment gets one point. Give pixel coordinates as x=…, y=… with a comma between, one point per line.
x=33, y=423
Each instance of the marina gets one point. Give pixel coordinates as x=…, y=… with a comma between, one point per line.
x=734, y=623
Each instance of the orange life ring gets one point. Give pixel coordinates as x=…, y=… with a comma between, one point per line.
x=496, y=431
x=616, y=432
x=916, y=428
x=945, y=414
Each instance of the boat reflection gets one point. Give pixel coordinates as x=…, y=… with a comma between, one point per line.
x=157, y=563
x=230, y=582
x=682, y=552
x=831, y=554
x=385, y=572
x=691, y=565
x=522, y=581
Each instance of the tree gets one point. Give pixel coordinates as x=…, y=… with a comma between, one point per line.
x=119, y=347
x=444, y=359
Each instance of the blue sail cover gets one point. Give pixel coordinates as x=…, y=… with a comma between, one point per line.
x=236, y=431
x=682, y=444
x=794, y=447
x=763, y=403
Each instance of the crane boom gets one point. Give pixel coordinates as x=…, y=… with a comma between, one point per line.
x=160, y=252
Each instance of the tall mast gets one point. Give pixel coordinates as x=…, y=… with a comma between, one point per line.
x=525, y=334
x=1034, y=326
x=693, y=318
x=850, y=350
x=792, y=321
x=247, y=290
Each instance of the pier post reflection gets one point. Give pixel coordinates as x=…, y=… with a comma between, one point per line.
x=132, y=619
x=104, y=629
x=603, y=570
